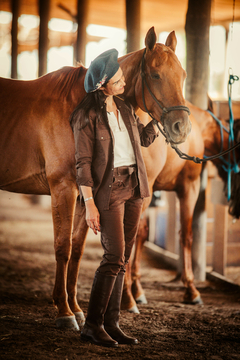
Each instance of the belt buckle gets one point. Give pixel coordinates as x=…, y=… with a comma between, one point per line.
x=131, y=170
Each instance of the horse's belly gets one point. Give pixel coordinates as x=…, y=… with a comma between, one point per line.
x=26, y=184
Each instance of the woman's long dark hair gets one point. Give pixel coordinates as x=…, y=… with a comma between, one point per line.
x=94, y=100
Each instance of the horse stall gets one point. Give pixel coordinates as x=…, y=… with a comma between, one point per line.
x=222, y=230
x=166, y=328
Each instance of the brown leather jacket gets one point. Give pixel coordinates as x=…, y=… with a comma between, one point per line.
x=94, y=152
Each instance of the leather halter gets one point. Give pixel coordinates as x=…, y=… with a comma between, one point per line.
x=164, y=109
x=172, y=108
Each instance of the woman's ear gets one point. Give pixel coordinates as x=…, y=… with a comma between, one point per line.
x=104, y=90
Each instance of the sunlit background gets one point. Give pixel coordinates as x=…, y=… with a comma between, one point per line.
x=224, y=55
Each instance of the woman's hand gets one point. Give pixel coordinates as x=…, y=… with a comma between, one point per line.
x=92, y=216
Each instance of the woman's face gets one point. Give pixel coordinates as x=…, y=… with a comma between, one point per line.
x=115, y=85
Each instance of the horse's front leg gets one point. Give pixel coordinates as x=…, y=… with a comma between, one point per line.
x=64, y=194
x=188, y=199
x=78, y=245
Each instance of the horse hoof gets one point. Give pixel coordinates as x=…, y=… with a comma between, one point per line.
x=197, y=300
x=80, y=318
x=134, y=310
x=67, y=322
x=141, y=300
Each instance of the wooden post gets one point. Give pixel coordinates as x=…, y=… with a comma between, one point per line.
x=171, y=243
x=220, y=229
x=199, y=228
x=14, y=33
x=133, y=18
x=82, y=21
x=151, y=215
x=220, y=238
x=44, y=14
x=197, y=36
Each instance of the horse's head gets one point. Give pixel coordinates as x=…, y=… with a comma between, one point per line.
x=159, y=87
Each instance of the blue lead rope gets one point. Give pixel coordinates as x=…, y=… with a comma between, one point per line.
x=228, y=166
x=231, y=167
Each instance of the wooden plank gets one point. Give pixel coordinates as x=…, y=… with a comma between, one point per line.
x=161, y=254
x=170, y=243
x=217, y=193
x=220, y=233
x=151, y=214
x=220, y=227
x=221, y=109
x=214, y=276
x=199, y=227
x=233, y=254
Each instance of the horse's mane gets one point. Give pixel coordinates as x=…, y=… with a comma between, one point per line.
x=64, y=79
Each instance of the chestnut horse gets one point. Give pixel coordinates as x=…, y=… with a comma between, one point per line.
x=166, y=171
x=38, y=153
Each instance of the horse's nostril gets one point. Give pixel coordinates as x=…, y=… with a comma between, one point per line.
x=177, y=127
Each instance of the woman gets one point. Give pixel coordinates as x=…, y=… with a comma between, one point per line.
x=112, y=181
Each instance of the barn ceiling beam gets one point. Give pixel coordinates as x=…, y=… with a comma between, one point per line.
x=44, y=14
x=82, y=21
x=14, y=34
x=133, y=21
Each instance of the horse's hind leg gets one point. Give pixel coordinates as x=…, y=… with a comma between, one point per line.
x=128, y=302
x=78, y=244
x=132, y=289
x=64, y=194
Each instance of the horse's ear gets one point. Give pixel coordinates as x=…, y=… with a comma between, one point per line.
x=171, y=41
x=150, y=39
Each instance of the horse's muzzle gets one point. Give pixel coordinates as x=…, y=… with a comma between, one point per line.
x=178, y=129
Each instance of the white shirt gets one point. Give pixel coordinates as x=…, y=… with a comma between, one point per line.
x=123, y=150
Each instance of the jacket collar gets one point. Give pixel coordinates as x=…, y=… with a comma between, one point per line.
x=126, y=114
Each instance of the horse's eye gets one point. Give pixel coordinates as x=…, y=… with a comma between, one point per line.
x=155, y=76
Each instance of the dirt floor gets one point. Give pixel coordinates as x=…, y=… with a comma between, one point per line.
x=166, y=328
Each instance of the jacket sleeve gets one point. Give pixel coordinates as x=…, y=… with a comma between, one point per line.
x=84, y=145
x=147, y=133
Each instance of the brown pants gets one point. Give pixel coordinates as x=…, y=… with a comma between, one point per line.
x=119, y=224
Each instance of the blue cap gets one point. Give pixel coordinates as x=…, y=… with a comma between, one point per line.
x=101, y=70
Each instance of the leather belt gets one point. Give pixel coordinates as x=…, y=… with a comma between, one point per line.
x=124, y=170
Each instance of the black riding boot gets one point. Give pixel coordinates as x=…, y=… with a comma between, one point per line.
x=111, y=318
x=93, y=329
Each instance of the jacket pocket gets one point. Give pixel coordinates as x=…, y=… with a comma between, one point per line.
x=102, y=134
